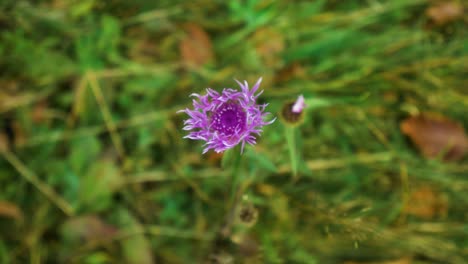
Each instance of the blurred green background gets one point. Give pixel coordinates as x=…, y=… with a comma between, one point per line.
x=93, y=167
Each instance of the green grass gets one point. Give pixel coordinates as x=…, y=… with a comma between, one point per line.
x=96, y=169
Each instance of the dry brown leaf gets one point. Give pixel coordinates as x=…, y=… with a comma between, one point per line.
x=10, y=210
x=196, y=48
x=445, y=12
x=434, y=135
x=89, y=227
x=426, y=203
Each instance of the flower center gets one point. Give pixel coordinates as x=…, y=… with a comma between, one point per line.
x=228, y=118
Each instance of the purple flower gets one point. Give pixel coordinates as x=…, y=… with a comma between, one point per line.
x=226, y=119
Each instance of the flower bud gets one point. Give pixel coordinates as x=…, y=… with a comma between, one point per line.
x=292, y=113
x=247, y=214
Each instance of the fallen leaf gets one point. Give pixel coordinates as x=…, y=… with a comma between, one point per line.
x=434, y=135
x=445, y=12
x=88, y=227
x=196, y=48
x=425, y=202
x=10, y=210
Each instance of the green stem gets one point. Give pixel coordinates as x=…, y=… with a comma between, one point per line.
x=232, y=160
x=290, y=132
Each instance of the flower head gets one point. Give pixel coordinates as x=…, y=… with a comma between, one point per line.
x=292, y=113
x=226, y=119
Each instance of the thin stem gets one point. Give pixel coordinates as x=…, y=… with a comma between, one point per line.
x=32, y=178
x=236, y=192
x=290, y=132
x=111, y=127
